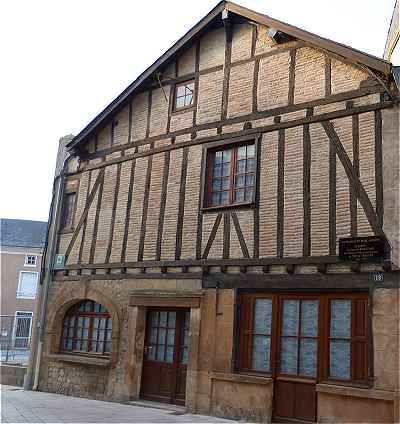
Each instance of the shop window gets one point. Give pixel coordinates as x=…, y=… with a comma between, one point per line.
x=321, y=337
x=87, y=328
x=230, y=175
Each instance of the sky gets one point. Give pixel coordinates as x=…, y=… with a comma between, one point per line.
x=63, y=61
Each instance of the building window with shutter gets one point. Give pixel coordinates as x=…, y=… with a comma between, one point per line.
x=27, y=285
x=321, y=337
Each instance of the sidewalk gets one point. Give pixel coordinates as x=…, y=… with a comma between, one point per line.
x=19, y=406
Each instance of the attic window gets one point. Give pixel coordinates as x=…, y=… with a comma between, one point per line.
x=184, y=95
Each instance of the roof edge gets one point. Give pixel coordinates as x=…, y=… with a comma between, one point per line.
x=354, y=55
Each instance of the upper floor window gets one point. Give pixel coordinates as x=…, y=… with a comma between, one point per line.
x=68, y=211
x=230, y=175
x=27, y=285
x=87, y=328
x=184, y=95
x=314, y=336
x=30, y=260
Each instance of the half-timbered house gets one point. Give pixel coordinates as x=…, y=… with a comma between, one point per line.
x=197, y=259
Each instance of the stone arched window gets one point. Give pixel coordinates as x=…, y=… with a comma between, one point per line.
x=87, y=328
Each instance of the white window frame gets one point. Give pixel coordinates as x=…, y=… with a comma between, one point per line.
x=15, y=326
x=26, y=260
x=19, y=294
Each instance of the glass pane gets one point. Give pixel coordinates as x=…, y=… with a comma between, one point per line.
x=215, y=200
x=108, y=347
x=241, y=166
x=227, y=154
x=226, y=169
x=262, y=316
x=239, y=195
x=153, y=335
x=103, y=322
x=250, y=165
x=180, y=102
x=225, y=197
x=180, y=91
x=241, y=152
x=184, y=355
x=171, y=319
x=161, y=335
x=170, y=337
x=249, y=180
x=169, y=356
x=163, y=318
x=239, y=181
x=100, y=347
x=225, y=183
x=217, y=172
x=289, y=355
x=250, y=150
x=309, y=318
x=69, y=344
x=340, y=318
x=160, y=353
x=218, y=158
x=84, y=346
x=88, y=306
x=216, y=185
x=190, y=87
x=261, y=353
x=340, y=359
x=248, y=195
x=308, y=357
x=151, y=352
x=154, y=319
x=188, y=100
x=290, y=317
x=186, y=337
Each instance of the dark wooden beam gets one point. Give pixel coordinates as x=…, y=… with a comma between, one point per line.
x=164, y=188
x=356, y=165
x=353, y=178
x=332, y=199
x=280, y=194
x=242, y=242
x=212, y=235
x=145, y=209
x=328, y=79
x=227, y=235
x=113, y=213
x=85, y=212
x=181, y=206
x=306, y=188
x=292, y=75
x=128, y=211
x=96, y=220
x=378, y=167
x=85, y=221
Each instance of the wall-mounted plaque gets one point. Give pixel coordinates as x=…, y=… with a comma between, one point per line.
x=362, y=249
x=59, y=261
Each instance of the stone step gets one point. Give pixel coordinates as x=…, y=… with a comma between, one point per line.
x=175, y=409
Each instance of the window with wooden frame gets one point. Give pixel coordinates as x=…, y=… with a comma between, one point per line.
x=230, y=175
x=323, y=337
x=68, y=212
x=87, y=328
x=184, y=95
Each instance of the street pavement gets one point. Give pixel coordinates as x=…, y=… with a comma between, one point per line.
x=19, y=406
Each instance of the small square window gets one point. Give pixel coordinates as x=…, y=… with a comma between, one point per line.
x=184, y=95
x=30, y=260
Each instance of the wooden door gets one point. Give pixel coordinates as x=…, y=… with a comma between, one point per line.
x=165, y=355
x=295, y=397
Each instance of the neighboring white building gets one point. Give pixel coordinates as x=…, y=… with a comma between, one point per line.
x=392, y=48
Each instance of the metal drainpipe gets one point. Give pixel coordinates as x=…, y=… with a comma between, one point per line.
x=48, y=274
